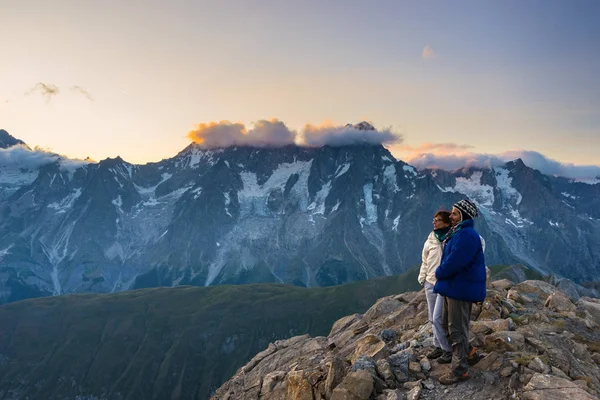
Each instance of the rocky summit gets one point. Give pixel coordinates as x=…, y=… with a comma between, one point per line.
x=533, y=342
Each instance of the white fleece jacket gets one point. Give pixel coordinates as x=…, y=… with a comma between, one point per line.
x=431, y=258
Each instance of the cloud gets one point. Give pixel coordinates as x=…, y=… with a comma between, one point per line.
x=82, y=91
x=428, y=53
x=271, y=133
x=326, y=134
x=46, y=90
x=49, y=90
x=21, y=156
x=447, y=161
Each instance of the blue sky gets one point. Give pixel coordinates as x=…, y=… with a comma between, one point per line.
x=498, y=77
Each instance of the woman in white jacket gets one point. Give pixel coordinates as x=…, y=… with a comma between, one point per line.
x=432, y=256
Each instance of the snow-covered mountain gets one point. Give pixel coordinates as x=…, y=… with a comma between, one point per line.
x=306, y=216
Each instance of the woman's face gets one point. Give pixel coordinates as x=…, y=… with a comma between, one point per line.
x=438, y=223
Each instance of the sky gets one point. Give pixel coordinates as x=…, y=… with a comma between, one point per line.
x=454, y=81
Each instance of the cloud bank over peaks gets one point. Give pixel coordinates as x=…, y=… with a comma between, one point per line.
x=533, y=159
x=271, y=133
x=275, y=133
x=22, y=157
x=361, y=133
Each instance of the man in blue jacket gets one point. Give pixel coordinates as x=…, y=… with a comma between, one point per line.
x=461, y=279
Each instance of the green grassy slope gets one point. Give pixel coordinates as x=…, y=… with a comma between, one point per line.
x=164, y=342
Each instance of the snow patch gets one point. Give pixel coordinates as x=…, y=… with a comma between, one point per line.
x=395, y=225
x=569, y=196
x=318, y=205
x=504, y=184
x=253, y=197
x=474, y=189
x=389, y=178
x=342, y=169
x=370, y=207
x=410, y=170
x=67, y=203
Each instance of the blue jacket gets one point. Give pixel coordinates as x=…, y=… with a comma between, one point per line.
x=461, y=274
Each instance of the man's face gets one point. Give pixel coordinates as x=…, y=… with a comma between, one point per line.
x=455, y=216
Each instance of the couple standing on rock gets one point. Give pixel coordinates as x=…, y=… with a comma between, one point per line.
x=454, y=275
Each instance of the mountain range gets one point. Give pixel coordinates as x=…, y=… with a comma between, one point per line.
x=308, y=216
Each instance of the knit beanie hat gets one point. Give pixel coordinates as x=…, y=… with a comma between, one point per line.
x=467, y=208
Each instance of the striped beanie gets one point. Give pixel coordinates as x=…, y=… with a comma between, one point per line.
x=467, y=208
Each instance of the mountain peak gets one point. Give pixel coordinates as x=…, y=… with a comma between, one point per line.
x=517, y=164
x=6, y=140
x=361, y=126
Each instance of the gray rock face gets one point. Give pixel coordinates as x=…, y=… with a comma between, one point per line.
x=305, y=216
x=546, y=357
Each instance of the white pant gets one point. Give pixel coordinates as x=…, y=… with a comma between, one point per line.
x=435, y=303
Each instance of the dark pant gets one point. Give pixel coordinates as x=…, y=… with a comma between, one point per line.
x=456, y=315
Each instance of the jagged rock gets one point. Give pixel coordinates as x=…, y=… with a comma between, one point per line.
x=538, y=366
x=299, y=385
x=361, y=328
x=548, y=387
x=503, y=284
x=414, y=367
x=414, y=394
x=533, y=340
x=269, y=382
x=557, y=372
x=570, y=288
x=385, y=371
x=491, y=362
x=490, y=309
x=335, y=375
x=514, y=295
x=559, y=302
x=371, y=346
x=505, y=341
x=391, y=395
x=536, y=290
x=384, y=306
x=591, y=307
x=355, y=386
x=388, y=335
x=425, y=364
x=399, y=363
x=487, y=326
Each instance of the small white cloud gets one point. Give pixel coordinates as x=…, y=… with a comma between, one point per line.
x=428, y=53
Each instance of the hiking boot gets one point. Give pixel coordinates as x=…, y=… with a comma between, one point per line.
x=473, y=357
x=437, y=352
x=445, y=358
x=451, y=378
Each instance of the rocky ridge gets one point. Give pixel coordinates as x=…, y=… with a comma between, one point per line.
x=533, y=340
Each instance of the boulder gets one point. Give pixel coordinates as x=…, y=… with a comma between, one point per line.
x=591, y=307
x=383, y=306
x=549, y=387
x=355, y=386
x=504, y=341
x=503, y=284
x=371, y=346
x=559, y=302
